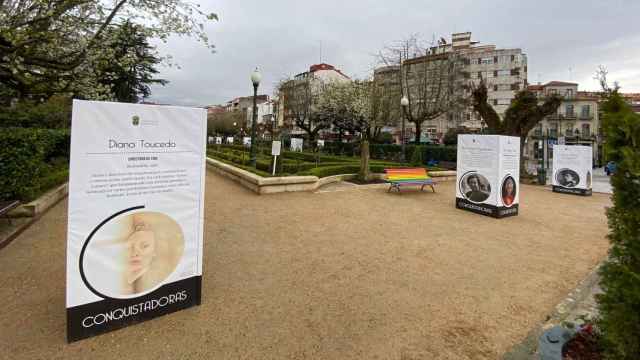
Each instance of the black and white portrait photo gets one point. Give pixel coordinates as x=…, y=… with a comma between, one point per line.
x=567, y=178
x=475, y=187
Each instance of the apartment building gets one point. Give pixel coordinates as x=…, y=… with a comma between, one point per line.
x=503, y=70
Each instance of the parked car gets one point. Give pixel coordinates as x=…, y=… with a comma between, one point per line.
x=610, y=168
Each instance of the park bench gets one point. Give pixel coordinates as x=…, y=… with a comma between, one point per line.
x=408, y=176
x=6, y=206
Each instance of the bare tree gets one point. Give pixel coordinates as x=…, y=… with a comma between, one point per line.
x=601, y=76
x=431, y=80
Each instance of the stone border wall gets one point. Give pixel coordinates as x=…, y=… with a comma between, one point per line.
x=271, y=185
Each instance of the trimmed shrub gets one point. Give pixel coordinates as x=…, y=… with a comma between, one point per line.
x=416, y=157
x=26, y=159
x=620, y=303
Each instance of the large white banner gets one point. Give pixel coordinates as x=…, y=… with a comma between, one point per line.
x=136, y=198
x=572, y=169
x=488, y=174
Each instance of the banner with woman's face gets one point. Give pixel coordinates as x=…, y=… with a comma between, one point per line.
x=135, y=226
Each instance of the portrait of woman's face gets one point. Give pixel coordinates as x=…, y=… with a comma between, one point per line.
x=508, y=191
x=133, y=253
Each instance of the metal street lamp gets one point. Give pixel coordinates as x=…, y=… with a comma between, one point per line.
x=405, y=103
x=255, y=79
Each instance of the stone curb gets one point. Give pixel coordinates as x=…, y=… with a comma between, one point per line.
x=271, y=185
x=31, y=212
x=527, y=348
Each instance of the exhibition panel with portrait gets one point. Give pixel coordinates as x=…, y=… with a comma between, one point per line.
x=572, y=169
x=488, y=172
x=135, y=224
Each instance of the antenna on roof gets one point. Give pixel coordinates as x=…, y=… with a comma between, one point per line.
x=320, y=51
x=570, y=74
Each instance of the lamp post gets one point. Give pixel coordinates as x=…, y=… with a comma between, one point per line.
x=404, y=102
x=255, y=79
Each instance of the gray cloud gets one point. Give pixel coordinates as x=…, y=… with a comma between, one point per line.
x=283, y=38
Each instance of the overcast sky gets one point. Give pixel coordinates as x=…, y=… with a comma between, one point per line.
x=283, y=38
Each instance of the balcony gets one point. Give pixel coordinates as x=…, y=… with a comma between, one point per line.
x=584, y=116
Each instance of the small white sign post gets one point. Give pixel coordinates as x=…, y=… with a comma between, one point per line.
x=275, y=151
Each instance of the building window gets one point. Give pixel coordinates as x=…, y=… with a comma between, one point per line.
x=503, y=101
x=479, y=74
x=502, y=73
x=495, y=101
x=586, y=130
x=495, y=87
x=569, y=93
x=515, y=86
x=515, y=72
x=495, y=73
x=495, y=59
x=586, y=111
x=569, y=110
x=486, y=61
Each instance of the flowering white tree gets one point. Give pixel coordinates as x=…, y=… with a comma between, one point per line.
x=360, y=106
x=44, y=44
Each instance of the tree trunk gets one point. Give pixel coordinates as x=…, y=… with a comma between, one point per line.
x=364, y=174
x=418, y=131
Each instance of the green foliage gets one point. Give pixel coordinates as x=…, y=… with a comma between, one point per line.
x=620, y=303
x=55, y=113
x=222, y=123
x=295, y=162
x=128, y=67
x=30, y=161
x=47, y=47
x=451, y=136
x=416, y=157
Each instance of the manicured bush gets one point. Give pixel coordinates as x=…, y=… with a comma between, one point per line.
x=27, y=157
x=620, y=303
x=416, y=157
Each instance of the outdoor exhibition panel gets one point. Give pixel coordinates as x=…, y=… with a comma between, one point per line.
x=572, y=169
x=488, y=174
x=135, y=227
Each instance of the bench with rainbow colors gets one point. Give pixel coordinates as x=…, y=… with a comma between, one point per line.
x=408, y=176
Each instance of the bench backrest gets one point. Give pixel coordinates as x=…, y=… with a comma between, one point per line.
x=406, y=174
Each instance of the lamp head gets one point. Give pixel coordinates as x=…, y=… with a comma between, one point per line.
x=256, y=77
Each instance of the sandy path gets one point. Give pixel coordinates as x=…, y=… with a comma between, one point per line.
x=358, y=274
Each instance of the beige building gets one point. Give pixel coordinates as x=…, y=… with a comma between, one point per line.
x=504, y=71
x=576, y=122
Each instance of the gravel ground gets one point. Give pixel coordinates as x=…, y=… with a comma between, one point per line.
x=353, y=274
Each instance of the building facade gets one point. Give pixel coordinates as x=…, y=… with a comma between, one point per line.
x=296, y=97
x=576, y=122
x=504, y=71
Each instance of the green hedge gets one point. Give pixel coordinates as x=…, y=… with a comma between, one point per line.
x=29, y=159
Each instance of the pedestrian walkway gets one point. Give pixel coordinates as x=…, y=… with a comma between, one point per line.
x=357, y=274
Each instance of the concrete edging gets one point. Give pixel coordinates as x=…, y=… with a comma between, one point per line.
x=271, y=185
x=41, y=204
